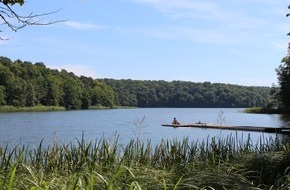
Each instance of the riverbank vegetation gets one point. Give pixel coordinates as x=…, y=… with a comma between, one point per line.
x=31, y=109
x=214, y=163
x=187, y=94
x=266, y=110
x=41, y=108
x=24, y=84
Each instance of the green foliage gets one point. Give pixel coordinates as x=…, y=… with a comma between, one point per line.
x=186, y=94
x=267, y=110
x=72, y=90
x=23, y=84
x=2, y=95
x=106, y=164
x=283, y=72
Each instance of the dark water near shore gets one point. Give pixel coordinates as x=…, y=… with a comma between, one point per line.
x=18, y=129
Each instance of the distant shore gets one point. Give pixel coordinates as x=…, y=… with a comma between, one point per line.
x=264, y=110
x=42, y=108
x=39, y=108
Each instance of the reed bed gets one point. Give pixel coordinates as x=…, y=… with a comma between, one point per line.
x=38, y=108
x=214, y=163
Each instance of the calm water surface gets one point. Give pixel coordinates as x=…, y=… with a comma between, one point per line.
x=68, y=126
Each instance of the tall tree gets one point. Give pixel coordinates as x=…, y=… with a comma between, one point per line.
x=283, y=72
x=2, y=95
x=30, y=95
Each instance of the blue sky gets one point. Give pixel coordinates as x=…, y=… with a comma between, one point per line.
x=226, y=41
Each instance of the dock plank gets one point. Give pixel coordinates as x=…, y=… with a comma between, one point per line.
x=232, y=127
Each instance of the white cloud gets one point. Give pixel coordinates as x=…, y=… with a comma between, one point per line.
x=83, y=26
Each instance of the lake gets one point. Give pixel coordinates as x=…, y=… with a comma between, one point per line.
x=17, y=129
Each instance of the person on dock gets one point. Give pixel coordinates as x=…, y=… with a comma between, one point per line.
x=175, y=121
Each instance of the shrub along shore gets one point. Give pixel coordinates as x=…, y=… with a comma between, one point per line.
x=227, y=163
x=265, y=110
x=41, y=108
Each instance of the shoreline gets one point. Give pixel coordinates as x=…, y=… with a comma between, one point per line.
x=41, y=108
x=264, y=110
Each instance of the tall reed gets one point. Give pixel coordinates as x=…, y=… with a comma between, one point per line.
x=215, y=163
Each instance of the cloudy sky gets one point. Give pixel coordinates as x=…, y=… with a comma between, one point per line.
x=226, y=41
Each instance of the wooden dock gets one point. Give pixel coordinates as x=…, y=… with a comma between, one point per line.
x=229, y=127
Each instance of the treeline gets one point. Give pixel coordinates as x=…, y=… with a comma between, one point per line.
x=23, y=84
x=186, y=94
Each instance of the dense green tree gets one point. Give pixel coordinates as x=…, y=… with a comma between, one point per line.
x=86, y=98
x=30, y=96
x=25, y=84
x=186, y=94
x=97, y=93
x=274, y=96
x=71, y=98
x=15, y=92
x=102, y=95
x=5, y=75
x=53, y=90
x=2, y=96
x=72, y=91
x=283, y=72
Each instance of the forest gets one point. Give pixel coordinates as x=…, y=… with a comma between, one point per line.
x=24, y=84
x=187, y=94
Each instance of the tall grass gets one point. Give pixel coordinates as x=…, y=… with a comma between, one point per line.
x=38, y=108
x=214, y=163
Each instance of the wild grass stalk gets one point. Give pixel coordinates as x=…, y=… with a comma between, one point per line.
x=216, y=163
